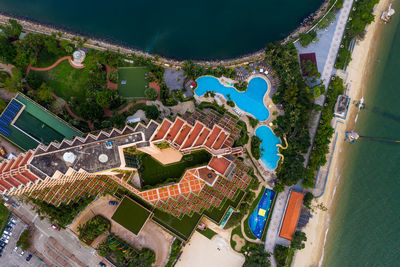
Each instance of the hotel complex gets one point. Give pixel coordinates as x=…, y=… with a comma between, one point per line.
x=100, y=155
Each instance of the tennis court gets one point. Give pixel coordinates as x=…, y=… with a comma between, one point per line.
x=132, y=82
x=37, y=129
x=33, y=124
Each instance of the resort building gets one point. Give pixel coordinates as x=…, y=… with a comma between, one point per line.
x=292, y=214
x=58, y=165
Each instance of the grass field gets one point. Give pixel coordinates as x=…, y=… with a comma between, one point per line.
x=3, y=216
x=65, y=81
x=153, y=172
x=131, y=215
x=135, y=82
x=207, y=233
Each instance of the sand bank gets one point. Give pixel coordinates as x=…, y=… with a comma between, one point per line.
x=357, y=76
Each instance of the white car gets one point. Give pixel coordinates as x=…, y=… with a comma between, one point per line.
x=16, y=248
x=22, y=253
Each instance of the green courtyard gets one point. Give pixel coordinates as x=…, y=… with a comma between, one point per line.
x=131, y=215
x=155, y=173
x=132, y=82
x=65, y=81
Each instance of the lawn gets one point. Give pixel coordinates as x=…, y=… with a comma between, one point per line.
x=154, y=173
x=3, y=216
x=207, y=233
x=136, y=82
x=131, y=215
x=65, y=81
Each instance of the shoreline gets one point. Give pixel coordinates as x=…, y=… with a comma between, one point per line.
x=357, y=78
x=35, y=26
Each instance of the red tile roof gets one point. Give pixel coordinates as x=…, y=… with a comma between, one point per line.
x=220, y=140
x=174, y=129
x=193, y=135
x=202, y=137
x=162, y=130
x=213, y=135
x=182, y=134
x=291, y=215
x=219, y=164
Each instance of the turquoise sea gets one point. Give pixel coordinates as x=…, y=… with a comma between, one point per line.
x=179, y=29
x=365, y=226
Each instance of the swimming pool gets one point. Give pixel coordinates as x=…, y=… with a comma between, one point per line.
x=259, y=216
x=269, y=150
x=250, y=100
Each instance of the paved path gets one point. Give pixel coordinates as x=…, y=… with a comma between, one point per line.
x=53, y=65
x=110, y=84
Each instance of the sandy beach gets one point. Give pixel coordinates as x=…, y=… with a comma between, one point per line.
x=356, y=77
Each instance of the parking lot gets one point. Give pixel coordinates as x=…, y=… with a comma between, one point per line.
x=12, y=257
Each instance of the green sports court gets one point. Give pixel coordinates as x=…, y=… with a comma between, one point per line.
x=132, y=82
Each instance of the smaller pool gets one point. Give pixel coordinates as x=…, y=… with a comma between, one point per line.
x=226, y=218
x=269, y=150
x=260, y=214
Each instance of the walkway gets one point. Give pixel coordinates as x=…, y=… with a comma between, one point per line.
x=110, y=84
x=53, y=66
x=326, y=59
x=90, y=124
x=256, y=241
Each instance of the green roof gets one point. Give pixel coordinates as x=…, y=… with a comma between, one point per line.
x=131, y=215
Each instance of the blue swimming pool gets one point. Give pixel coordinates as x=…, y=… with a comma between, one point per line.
x=259, y=216
x=250, y=101
x=269, y=150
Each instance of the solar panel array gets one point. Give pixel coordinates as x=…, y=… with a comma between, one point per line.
x=8, y=115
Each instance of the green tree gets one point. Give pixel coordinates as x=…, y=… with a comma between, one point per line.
x=255, y=147
x=7, y=50
x=13, y=29
x=24, y=240
x=14, y=83
x=44, y=96
x=257, y=256
x=151, y=93
x=298, y=240
x=3, y=105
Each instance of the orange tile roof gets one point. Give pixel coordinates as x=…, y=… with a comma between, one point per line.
x=162, y=130
x=8, y=166
x=5, y=184
x=291, y=215
x=174, y=129
x=213, y=135
x=202, y=137
x=220, y=140
x=193, y=135
x=182, y=134
x=219, y=164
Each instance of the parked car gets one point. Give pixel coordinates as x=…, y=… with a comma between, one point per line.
x=22, y=253
x=55, y=227
x=14, y=220
x=102, y=264
x=16, y=248
x=14, y=205
x=114, y=203
x=29, y=257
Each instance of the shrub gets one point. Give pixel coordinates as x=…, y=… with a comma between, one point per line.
x=92, y=229
x=230, y=103
x=113, y=76
x=306, y=38
x=255, y=147
x=151, y=93
x=253, y=122
x=241, y=86
x=24, y=240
